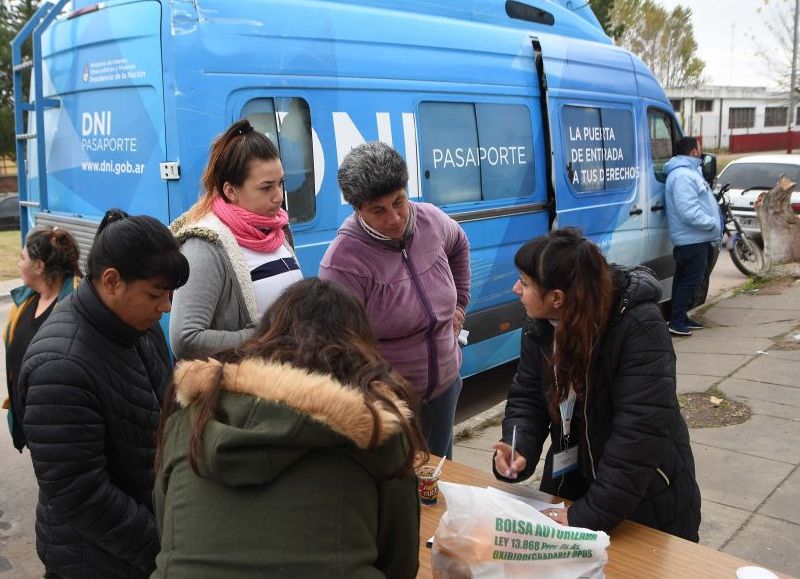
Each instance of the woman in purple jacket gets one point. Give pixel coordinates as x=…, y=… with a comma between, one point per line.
x=409, y=264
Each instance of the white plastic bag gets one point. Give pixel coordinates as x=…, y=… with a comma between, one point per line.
x=488, y=534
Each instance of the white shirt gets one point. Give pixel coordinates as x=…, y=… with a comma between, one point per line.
x=271, y=273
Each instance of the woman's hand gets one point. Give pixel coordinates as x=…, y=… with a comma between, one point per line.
x=502, y=461
x=558, y=515
x=458, y=321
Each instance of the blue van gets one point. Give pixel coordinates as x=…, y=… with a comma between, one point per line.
x=513, y=116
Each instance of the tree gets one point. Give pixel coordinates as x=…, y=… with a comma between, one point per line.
x=780, y=229
x=603, y=9
x=13, y=15
x=775, y=48
x=663, y=40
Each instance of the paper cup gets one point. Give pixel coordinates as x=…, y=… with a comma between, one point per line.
x=428, y=485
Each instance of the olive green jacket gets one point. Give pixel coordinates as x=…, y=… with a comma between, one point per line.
x=290, y=488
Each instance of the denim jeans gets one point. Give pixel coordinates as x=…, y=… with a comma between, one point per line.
x=690, y=269
x=436, y=420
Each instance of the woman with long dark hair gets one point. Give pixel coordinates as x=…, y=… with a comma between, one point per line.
x=91, y=387
x=293, y=454
x=49, y=269
x=597, y=374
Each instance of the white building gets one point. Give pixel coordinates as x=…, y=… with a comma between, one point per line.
x=740, y=119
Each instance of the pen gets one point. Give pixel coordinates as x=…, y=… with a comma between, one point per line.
x=513, y=444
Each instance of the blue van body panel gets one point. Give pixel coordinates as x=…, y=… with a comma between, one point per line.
x=143, y=82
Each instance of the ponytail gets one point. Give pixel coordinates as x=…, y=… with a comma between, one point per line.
x=229, y=162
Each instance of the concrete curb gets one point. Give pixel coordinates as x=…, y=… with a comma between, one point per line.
x=479, y=421
x=5, y=288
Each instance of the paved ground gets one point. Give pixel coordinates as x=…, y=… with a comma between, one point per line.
x=749, y=474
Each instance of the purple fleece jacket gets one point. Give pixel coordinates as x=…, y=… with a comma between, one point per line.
x=411, y=303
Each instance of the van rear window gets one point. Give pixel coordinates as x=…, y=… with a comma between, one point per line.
x=287, y=122
x=599, y=148
x=473, y=152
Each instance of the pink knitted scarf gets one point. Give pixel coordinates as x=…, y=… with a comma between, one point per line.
x=253, y=231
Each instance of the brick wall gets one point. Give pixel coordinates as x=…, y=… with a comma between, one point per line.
x=8, y=183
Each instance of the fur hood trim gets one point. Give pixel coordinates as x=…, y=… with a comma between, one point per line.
x=211, y=229
x=321, y=397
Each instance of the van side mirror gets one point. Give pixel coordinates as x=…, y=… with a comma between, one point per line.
x=708, y=163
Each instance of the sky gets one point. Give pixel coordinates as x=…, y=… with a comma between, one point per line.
x=729, y=33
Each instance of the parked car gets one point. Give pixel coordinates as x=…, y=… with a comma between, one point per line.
x=9, y=212
x=749, y=176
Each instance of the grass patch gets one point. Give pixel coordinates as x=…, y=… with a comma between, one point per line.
x=9, y=254
x=753, y=284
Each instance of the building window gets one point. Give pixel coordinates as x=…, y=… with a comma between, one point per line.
x=287, y=122
x=703, y=105
x=676, y=104
x=797, y=116
x=474, y=152
x=775, y=116
x=741, y=118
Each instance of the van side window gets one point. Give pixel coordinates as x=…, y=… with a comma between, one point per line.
x=663, y=136
x=599, y=148
x=475, y=152
x=287, y=122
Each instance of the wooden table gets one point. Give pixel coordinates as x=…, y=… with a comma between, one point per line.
x=636, y=551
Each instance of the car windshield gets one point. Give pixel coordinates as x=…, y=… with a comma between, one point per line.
x=747, y=175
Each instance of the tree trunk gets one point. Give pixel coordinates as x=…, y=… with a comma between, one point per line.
x=780, y=227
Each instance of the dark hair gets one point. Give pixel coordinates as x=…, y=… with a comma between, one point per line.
x=57, y=249
x=565, y=260
x=685, y=145
x=319, y=326
x=138, y=247
x=370, y=171
x=229, y=162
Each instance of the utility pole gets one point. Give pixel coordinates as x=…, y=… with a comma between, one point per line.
x=792, y=86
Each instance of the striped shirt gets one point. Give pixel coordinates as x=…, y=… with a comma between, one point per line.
x=271, y=274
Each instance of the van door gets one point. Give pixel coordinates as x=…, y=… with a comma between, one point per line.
x=107, y=139
x=597, y=173
x=478, y=162
x=663, y=135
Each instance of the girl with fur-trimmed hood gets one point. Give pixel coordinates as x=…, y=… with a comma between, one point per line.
x=238, y=243
x=292, y=455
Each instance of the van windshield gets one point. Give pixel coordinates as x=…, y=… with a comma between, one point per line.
x=747, y=175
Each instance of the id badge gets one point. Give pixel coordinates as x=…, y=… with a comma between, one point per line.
x=565, y=461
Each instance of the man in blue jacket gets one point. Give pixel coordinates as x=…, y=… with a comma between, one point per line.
x=694, y=224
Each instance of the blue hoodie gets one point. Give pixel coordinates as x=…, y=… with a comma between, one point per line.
x=692, y=212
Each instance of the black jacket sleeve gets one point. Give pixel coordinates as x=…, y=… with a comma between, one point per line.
x=66, y=436
x=526, y=408
x=643, y=399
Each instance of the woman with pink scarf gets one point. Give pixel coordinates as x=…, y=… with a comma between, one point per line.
x=238, y=243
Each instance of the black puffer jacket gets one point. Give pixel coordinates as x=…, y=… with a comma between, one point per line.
x=91, y=390
x=634, y=457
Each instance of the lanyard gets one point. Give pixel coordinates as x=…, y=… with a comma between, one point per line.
x=567, y=408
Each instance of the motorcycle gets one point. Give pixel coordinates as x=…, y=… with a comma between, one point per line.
x=746, y=253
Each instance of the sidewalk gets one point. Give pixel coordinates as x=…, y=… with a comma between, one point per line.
x=5, y=287
x=749, y=474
